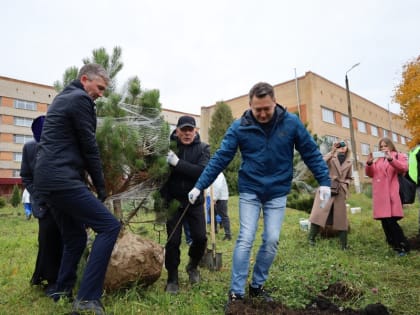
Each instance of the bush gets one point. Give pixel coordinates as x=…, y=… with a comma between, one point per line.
x=16, y=196
x=367, y=190
x=2, y=202
x=300, y=201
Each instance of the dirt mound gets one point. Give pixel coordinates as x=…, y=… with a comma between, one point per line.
x=341, y=291
x=321, y=305
x=415, y=242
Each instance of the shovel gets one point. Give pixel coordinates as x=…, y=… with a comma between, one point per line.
x=213, y=260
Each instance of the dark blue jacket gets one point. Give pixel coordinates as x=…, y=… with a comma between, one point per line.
x=26, y=172
x=68, y=145
x=267, y=160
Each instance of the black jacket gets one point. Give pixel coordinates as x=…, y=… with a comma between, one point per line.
x=26, y=172
x=193, y=159
x=68, y=145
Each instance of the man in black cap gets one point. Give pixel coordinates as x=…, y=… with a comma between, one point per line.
x=186, y=166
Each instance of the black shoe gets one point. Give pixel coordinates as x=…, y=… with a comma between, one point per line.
x=56, y=293
x=232, y=299
x=172, y=288
x=193, y=274
x=260, y=293
x=227, y=238
x=92, y=307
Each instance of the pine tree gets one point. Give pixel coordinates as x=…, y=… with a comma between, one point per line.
x=16, y=196
x=220, y=121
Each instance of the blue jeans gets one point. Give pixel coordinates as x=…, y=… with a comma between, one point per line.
x=28, y=209
x=249, y=212
x=74, y=210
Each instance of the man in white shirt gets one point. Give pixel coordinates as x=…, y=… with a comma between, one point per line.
x=221, y=197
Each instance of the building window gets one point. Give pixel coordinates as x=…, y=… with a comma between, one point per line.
x=375, y=147
x=365, y=148
x=16, y=173
x=328, y=116
x=374, y=130
x=385, y=133
x=17, y=156
x=21, y=139
x=23, y=121
x=361, y=126
x=345, y=122
x=19, y=104
x=402, y=139
x=331, y=139
x=394, y=137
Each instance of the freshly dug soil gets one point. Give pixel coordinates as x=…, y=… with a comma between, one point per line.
x=415, y=242
x=320, y=305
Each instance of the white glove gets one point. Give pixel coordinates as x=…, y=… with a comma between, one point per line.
x=324, y=195
x=172, y=158
x=193, y=195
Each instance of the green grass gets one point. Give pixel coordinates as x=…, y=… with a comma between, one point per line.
x=298, y=273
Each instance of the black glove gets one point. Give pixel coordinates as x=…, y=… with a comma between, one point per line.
x=101, y=194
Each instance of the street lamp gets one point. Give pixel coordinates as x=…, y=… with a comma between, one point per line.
x=353, y=142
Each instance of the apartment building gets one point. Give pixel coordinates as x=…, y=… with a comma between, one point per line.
x=20, y=103
x=323, y=106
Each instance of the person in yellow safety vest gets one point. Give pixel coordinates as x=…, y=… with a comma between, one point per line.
x=414, y=169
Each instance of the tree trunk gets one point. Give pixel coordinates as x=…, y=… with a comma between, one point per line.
x=117, y=208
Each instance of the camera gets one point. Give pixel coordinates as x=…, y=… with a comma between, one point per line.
x=341, y=144
x=378, y=154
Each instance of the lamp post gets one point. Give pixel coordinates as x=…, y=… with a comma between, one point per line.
x=353, y=142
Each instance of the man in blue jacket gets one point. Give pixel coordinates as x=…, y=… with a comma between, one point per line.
x=266, y=135
x=66, y=152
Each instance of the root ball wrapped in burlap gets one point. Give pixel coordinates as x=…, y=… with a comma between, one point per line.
x=133, y=260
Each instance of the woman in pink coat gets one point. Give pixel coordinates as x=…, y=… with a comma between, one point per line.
x=387, y=205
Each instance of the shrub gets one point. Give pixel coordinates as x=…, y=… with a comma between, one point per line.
x=300, y=201
x=16, y=196
x=2, y=202
x=367, y=190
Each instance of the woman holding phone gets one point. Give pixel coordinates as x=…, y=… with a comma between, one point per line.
x=334, y=212
x=387, y=205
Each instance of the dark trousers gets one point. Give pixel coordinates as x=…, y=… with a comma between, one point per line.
x=50, y=249
x=196, y=221
x=394, y=234
x=74, y=211
x=221, y=209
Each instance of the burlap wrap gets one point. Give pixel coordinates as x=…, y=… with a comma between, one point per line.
x=133, y=260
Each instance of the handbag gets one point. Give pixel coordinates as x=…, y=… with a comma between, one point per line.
x=335, y=185
x=407, y=189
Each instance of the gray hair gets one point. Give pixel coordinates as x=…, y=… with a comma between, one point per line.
x=260, y=90
x=92, y=70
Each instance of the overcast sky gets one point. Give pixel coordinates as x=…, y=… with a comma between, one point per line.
x=200, y=52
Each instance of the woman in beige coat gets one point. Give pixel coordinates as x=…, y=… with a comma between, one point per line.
x=334, y=212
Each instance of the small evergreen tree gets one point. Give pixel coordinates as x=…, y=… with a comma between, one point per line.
x=220, y=121
x=2, y=202
x=16, y=196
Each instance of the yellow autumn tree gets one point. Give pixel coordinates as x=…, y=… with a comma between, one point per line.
x=407, y=94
